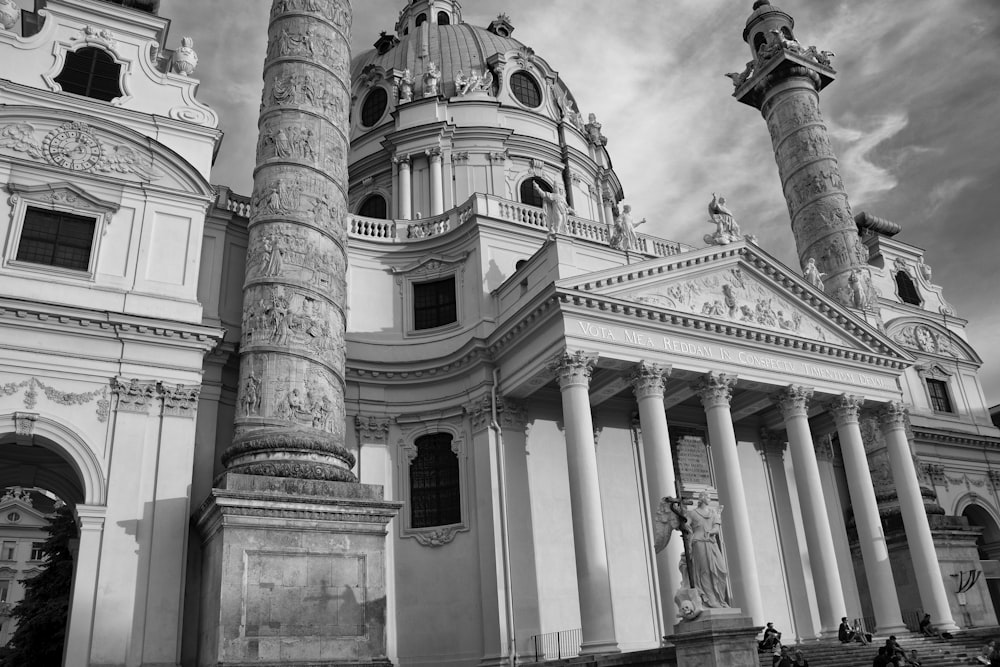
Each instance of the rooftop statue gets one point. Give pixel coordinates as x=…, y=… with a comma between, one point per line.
x=726, y=229
x=812, y=274
x=406, y=87
x=593, y=130
x=624, y=237
x=185, y=59
x=431, y=78
x=557, y=209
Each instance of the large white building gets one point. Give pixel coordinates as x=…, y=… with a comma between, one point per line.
x=527, y=396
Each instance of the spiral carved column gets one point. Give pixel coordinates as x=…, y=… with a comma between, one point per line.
x=290, y=413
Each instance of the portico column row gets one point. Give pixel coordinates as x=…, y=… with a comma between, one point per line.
x=716, y=392
x=793, y=402
x=573, y=371
x=648, y=383
x=926, y=570
x=874, y=552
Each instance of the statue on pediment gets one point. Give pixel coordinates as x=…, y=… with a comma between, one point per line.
x=813, y=275
x=726, y=228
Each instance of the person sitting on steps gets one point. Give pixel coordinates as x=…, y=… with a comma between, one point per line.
x=845, y=633
x=772, y=638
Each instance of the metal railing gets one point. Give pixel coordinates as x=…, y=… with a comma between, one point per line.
x=557, y=645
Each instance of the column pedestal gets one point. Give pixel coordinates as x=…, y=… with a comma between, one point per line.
x=294, y=572
x=717, y=638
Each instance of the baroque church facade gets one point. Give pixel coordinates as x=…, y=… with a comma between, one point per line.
x=485, y=337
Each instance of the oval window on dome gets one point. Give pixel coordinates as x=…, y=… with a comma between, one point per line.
x=526, y=89
x=374, y=107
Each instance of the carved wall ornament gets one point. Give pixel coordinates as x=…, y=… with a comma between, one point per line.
x=937, y=474
x=739, y=297
x=295, y=89
x=332, y=10
x=437, y=537
x=925, y=339
x=24, y=424
x=10, y=12
x=180, y=400
x=185, y=60
x=372, y=428
x=134, y=395
x=460, y=156
x=95, y=35
x=19, y=494
x=288, y=141
x=32, y=385
x=279, y=315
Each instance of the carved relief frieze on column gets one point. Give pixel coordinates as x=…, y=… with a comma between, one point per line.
x=715, y=389
x=649, y=379
x=372, y=429
x=573, y=368
x=290, y=417
x=793, y=401
x=133, y=395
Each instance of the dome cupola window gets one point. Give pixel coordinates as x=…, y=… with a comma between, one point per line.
x=421, y=19
x=528, y=194
x=501, y=26
x=526, y=90
x=91, y=72
x=443, y=18
x=374, y=107
x=374, y=206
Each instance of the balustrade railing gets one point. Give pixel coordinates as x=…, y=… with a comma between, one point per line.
x=557, y=645
x=406, y=231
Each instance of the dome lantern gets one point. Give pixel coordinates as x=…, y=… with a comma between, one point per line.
x=418, y=12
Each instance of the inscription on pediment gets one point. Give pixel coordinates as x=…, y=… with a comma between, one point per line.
x=735, y=296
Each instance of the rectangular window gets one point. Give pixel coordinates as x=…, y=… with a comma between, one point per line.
x=4, y=589
x=36, y=550
x=8, y=551
x=938, y=390
x=434, y=483
x=56, y=239
x=434, y=304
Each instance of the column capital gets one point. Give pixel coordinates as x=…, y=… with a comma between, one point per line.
x=772, y=443
x=846, y=409
x=573, y=368
x=793, y=401
x=401, y=160
x=715, y=389
x=434, y=154
x=371, y=428
x=893, y=415
x=648, y=379
x=133, y=395
x=180, y=400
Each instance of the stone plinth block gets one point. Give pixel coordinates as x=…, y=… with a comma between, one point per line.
x=717, y=638
x=294, y=572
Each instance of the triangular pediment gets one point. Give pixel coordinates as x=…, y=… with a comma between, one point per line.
x=733, y=289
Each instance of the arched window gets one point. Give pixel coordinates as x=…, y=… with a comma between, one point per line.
x=907, y=290
x=374, y=206
x=435, y=490
x=421, y=19
x=374, y=107
x=759, y=41
x=443, y=18
x=528, y=194
x=786, y=32
x=526, y=89
x=91, y=72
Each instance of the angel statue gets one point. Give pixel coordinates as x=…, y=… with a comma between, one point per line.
x=708, y=566
x=813, y=275
x=670, y=515
x=726, y=229
x=431, y=78
x=463, y=83
x=484, y=84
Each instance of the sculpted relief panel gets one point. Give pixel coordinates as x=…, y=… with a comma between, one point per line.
x=293, y=253
x=290, y=390
x=276, y=315
x=733, y=295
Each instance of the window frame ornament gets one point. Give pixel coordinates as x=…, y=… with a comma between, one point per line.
x=430, y=269
x=61, y=197
x=938, y=373
x=432, y=536
x=90, y=37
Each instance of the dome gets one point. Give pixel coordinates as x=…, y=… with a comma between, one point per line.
x=764, y=9
x=452, y=48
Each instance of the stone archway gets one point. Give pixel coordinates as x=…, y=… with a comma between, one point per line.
x=45, y=454
x=989, y=548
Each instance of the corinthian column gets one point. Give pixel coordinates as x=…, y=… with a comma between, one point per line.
x=290, y=413
x=596, y=616
x=793, y=402
x=716, y=392
x=926, y=571
x=648, y=383
x=874, y=552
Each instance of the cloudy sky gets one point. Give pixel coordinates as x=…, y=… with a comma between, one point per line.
x=915, y=114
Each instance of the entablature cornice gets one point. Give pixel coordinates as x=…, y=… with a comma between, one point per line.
x=33, y=315
x=396, y=373
x=956, y=438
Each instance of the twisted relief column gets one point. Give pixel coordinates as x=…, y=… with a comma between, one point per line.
x=648, y=383
x=927, y=572
x=793, y=402
x=874, y=552
x=290, y=414
x=716, y=392
x=573, y=371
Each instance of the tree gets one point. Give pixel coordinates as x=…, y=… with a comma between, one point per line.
x=42, y=614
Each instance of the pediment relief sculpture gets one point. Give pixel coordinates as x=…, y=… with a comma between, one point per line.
x=736, y=296
x=928, y=339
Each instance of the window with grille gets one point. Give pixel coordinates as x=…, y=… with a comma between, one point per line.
x=8, y=551
x=434, y=303
x=435, y=492
x=528, y=194
x=421, y=19
x=374, y=206
x=526, y=90
x=37, y=552
x=91, y=72
x=907, y=290
x=443, y=18
x=4, y=589
x=56, y=238
x=938, y=391
x=374, y=107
